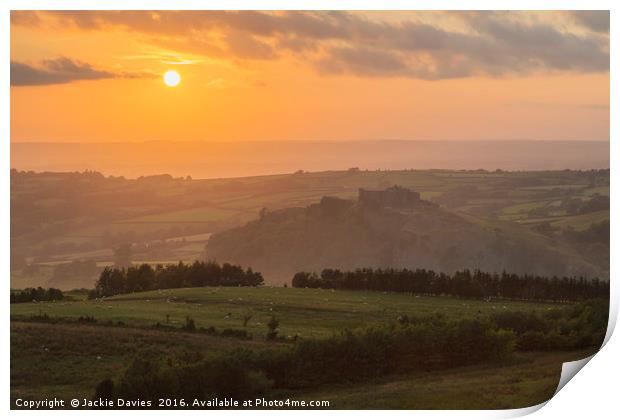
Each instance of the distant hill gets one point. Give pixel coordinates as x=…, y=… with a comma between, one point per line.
x=389, y=228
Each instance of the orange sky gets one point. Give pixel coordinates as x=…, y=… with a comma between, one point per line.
x=96, y=76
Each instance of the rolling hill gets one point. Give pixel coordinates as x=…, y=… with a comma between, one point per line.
x=390, y=228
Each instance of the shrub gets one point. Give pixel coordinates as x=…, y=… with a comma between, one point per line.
x=531, y=340
x=39, y=295
x=104, y=389
x=579, y=326
x=88, y=319
x=149, y=378
x=519, y=322
x=231, y=332
x=272, y=326
x=190, y=324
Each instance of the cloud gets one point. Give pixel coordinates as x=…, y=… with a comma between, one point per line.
x=595, y=20
x=242, y=44
x=539, y=45
x=363, y=61
x=62, y=70
x=216, y=83
x=493, y=44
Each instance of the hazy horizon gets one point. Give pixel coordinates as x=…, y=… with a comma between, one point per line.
x=305, y=141
x=239, y=93
x=253, y=158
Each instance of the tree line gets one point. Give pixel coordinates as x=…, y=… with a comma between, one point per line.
x=39, y=294
x=429, y=342
x=465, y=283
x=370, y=353
x=138, y=278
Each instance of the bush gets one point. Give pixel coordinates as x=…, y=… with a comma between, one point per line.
x=104, y=389
x=532, y=340
x=579, y=326
x=272, y=325
x=351, y=356
x=231, y=332
x=190, y=324
x=88, y=319
x=36, y=295
x=148, y=378
x=520, y=322
x=376, y=351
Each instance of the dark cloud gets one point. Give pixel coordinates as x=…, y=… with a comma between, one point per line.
x=497, y=47
x=363, y=61
x=595, y=20
x=495, y=44
x=244, y=45
x=536, y=46
x=59, y=71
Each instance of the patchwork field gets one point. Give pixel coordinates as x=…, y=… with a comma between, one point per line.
x=158, y=214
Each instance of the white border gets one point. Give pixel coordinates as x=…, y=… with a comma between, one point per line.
x=593, y=394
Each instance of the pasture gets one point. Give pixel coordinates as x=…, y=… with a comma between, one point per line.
x=67, y=359
x=530, y=379
x=304, y=312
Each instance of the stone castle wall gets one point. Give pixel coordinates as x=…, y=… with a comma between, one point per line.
x=395, y=197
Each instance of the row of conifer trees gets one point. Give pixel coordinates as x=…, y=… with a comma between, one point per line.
x=137, y=278
x=465, y=283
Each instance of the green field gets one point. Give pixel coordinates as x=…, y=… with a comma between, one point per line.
x=68, y=361
x=582, y=222
x=302, y=312
x=530, y=379
x=66, y=358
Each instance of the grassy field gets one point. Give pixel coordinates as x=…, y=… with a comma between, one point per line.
x=302, y=312
x=530, y=379
x=582, y=222
x=67, y=359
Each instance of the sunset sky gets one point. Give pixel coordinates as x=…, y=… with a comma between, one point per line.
x=97, y=76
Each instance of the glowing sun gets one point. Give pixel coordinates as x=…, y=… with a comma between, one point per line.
x=172, y=78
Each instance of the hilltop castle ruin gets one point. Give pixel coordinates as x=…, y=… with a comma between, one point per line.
x=394, y=197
